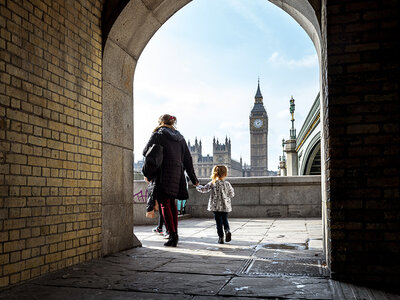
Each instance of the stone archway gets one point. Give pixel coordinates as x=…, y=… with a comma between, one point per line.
x=312, y=158
x=129, y=34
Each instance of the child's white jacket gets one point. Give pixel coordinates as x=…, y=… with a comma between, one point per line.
x=221, y=194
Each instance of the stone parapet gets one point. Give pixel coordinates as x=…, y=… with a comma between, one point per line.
x=255, y=197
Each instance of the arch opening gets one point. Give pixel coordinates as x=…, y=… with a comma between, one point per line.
x=131, y=31
x=313, y=164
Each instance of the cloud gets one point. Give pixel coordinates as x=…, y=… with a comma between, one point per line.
x=234, y=125
x=283, y=114
x=308, y=61
x=249, y=12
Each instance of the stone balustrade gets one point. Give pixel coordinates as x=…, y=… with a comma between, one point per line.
x=255, y=197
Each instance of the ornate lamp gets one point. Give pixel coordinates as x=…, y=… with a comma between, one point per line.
x=292, y=108
x=283, y=150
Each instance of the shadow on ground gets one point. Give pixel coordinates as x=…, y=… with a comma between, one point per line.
x=267, y=258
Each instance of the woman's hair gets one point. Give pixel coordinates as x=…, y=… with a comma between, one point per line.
x=219, y=172
x=166, y=121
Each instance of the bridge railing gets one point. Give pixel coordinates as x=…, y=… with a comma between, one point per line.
x=255, y=197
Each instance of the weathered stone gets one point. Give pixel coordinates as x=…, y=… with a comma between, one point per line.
x=290, y=196
x=119, y=67
x=194, y=265
x=117, y=175
x=279, y=287
x=117, y=227
x=57, y=292
x=133, y=33
x=117, y=117
x=168, y=8
x=199, y=268
x=246, y=195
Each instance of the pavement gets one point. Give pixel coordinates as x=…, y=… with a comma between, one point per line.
x=266, y=259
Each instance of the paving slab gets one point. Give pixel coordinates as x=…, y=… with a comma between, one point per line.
x=33, y=292
x=215, y=266
x=279, y=287
x=300, y=267
x=155, y=282
x=267, y=259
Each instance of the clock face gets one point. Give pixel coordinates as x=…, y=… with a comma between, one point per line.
x=257, y=123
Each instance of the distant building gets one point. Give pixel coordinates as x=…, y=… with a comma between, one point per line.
x=137, y=170
x=258, y=136
x=221, y=155
x=137, y=166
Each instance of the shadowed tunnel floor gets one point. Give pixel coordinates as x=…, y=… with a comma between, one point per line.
x=267, y=258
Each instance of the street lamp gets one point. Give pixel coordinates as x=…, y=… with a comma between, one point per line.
x=292, y=108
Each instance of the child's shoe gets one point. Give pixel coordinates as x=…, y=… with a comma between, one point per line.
x=158, y=231
x=228, y=236
x=220, y=240
x=166, y=235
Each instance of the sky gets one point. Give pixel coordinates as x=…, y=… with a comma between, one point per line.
x=203, y=64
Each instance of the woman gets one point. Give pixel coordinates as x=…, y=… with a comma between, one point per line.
x=170, y=182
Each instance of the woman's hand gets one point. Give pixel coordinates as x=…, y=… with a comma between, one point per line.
x=197, y=184
x=150, y=214
x=156, y=206
x=145, y=179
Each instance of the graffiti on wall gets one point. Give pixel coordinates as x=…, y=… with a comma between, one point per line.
x=140, y=196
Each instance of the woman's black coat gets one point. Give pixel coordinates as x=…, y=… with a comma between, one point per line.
x=170, y=180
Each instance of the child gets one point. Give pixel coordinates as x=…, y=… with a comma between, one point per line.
x=220, y=200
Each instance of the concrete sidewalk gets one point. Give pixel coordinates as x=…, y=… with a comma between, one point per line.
x=267, y=258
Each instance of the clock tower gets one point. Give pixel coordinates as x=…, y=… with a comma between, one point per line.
x=259, y=136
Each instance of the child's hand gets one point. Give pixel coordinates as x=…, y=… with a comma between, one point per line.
x=203, y=188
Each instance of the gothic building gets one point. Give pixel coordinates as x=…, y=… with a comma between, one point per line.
x=222, y=152
x=259, y=137
x=221, y=155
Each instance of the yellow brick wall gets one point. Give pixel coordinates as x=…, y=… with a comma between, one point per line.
x=50, y=131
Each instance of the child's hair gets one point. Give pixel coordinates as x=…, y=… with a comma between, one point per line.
x=219, y=172
x=166, y=121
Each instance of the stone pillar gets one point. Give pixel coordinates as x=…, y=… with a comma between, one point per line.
x=282, y=168
x=292, y=158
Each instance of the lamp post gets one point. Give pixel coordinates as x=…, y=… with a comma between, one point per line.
x=292, y=108
x=283, y=150
x=282, y=161
x=290, y=146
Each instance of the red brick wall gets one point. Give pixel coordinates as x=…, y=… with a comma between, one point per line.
x=363, y=139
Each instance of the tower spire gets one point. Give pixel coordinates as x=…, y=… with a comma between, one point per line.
x=258, y=97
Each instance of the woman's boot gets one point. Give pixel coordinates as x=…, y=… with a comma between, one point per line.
x=172, y=240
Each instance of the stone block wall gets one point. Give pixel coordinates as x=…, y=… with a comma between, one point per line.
x=362, y=140
x=51, y=132
x=255, y=197
x=265, y=197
